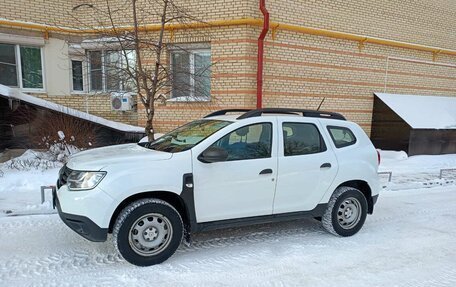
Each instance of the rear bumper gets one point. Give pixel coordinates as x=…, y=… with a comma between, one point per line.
x=81, y=224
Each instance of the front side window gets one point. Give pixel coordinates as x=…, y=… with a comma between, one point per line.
x=249, y=142
x=301, y=139
x=187, y=136
x=21, y=66
x=112, y=70
x=191, y=73
x=341, y=136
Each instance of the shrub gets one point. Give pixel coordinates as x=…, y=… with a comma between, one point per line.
x=62, y=135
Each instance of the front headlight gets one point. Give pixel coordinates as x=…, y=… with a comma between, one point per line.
x=84, y=180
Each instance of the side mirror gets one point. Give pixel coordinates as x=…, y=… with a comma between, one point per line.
x=213, y=154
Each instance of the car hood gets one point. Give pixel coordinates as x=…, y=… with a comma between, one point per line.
x=98, y=158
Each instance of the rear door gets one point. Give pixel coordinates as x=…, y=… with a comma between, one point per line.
x=306, y=165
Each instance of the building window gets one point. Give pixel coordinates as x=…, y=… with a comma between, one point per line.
x=191, y=74
x=112, y=70
x=21, y=66
x=77, y=75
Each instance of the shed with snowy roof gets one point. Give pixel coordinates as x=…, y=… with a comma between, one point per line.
x=415, y=124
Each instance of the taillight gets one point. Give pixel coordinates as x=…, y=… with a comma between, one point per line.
x=378, y=157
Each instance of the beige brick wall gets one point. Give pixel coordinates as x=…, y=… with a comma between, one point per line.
x=300, y=70
x=416, y=21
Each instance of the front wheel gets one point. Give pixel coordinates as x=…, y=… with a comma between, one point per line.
x=148, y=232
x=346, y=212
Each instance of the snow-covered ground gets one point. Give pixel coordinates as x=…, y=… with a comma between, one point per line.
x=409, y=241
x=416, y=171
x=20, y=182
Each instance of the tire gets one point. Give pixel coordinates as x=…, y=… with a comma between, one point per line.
x=148, y=232
x=346, y=212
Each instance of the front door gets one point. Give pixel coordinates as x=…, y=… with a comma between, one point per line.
x=244, y=184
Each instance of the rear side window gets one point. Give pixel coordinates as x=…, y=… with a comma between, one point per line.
x=301, y=138
x=341, y=136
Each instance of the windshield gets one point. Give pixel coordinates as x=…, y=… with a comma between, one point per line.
x=187, y=136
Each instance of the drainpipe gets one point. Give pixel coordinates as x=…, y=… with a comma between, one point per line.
x=261, y=53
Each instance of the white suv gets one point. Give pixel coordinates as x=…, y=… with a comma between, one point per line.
x=224, y=170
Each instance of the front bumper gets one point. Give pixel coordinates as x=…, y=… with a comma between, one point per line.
x=80, y=224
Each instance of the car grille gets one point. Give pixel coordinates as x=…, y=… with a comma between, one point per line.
x=63, y=176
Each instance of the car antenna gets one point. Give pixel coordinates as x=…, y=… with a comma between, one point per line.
x=321, y=103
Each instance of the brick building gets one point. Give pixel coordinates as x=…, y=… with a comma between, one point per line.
x=342, y=51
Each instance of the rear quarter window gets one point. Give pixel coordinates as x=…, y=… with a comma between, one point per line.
x=341, y=136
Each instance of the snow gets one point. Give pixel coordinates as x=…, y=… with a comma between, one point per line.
x=21, y=182
x=408, y=241
x=15, y=94
x=423, y=112
x=416, y=171
x=61, y=135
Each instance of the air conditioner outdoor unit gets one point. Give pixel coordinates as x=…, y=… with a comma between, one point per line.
x=121, y=102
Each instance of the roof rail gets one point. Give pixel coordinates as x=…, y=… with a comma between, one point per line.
x=224, y=112
x=304, y=113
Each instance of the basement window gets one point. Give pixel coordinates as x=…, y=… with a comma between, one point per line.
x=21, y=66
x=191, y=74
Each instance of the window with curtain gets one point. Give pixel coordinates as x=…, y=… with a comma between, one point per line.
x=21, y=66
x=108, y=70
x=191, y=73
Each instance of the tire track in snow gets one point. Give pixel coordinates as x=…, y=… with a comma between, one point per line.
x=57, y=262
x=244, y=236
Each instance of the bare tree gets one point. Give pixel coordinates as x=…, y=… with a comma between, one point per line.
x=142, y=51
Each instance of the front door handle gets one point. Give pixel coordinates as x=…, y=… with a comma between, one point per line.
x=325, y=165
x=266, y=171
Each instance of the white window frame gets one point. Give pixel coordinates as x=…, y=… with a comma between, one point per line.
x=191, y=52
x=17, y=51
x=103, y=72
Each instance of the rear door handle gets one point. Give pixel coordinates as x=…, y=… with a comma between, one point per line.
x=325, y=165
x=266, y=171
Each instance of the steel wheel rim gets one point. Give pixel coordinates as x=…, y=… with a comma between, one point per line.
x=150, y=234
x=349, y=213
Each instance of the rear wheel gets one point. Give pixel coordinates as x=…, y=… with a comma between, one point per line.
x=346, y=212
x=148, y=232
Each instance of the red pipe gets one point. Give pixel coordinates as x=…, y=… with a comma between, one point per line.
x=263, y=34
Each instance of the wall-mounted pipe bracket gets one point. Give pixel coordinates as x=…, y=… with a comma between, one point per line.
x=435, y=55
x=274, y=30
x=171, y=35
x=46, y=34
x=361, y=44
